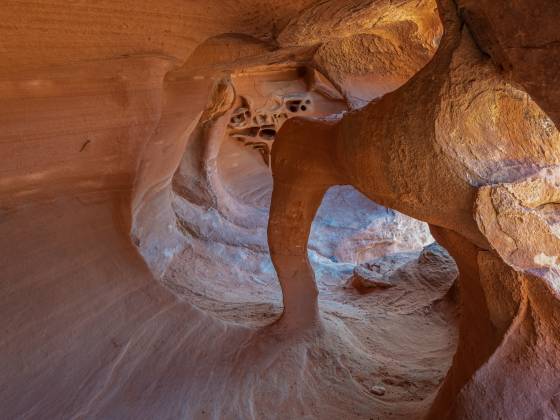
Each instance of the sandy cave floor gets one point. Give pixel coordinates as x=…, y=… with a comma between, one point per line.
x=381, y=355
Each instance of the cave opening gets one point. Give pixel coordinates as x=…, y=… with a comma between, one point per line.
x=385, y=286
x=396, y=340
x=222, y=203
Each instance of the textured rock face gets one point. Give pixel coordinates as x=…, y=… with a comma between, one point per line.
x=166, y=166
x=522, y=39
x=431, y=169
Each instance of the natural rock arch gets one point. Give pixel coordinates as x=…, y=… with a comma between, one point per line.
x=413, y=165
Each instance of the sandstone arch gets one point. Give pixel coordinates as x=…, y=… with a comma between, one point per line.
x=412, y=165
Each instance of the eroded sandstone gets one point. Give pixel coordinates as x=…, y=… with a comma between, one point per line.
x=141, y=242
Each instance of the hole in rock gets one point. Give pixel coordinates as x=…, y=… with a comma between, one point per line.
x=355, y=246
x=384, y=285
x=245, y=132
x=268, y=133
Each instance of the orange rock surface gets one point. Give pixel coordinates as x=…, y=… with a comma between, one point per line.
x=187, y=189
